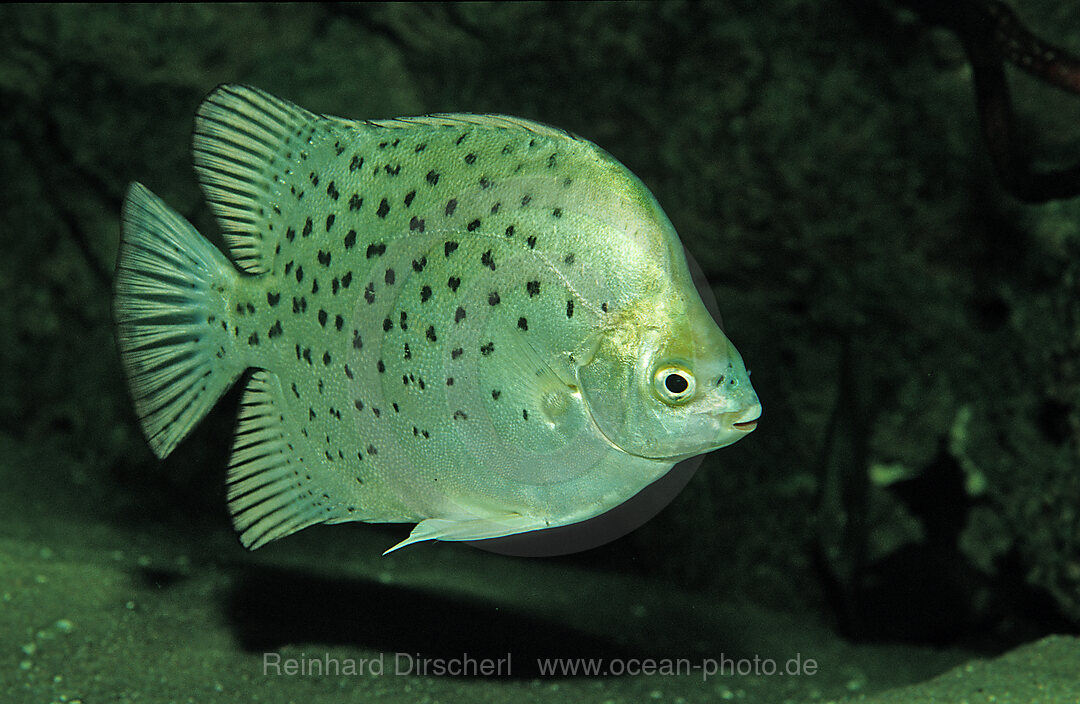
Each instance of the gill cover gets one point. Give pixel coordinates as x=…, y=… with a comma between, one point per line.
x=664, y=381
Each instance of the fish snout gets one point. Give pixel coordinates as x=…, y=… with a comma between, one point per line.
x=744, y=420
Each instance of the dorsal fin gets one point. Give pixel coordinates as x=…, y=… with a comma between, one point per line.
x=241, y=133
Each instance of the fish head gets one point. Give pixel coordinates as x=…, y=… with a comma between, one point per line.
x=663, y=381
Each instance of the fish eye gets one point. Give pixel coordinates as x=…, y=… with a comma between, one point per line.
x=674, y=384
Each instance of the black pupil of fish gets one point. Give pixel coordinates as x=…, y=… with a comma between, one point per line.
x=676, y=383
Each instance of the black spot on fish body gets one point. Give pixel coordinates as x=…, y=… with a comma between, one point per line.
x=557, y=213
x=326, y=359
x=473, y=225
x=350, y=239
x=425, y=293
x=356, y=163
x=290, y=234
x=487, y=260
x=346, y=280
x=339, y=322
x=329, y=221
x=389, y=277
x=531, y=241
x=308, y=226
x=510, y=231
x=487, y=348
x=272, y=299
x=348, y=371
x=275, y=330
x=314, y=285
x=569, y=258
x=523, y=324
x=416, y=224
x=453, y=282
x=460, y=415
x=451, y=206
x=355, y=202
x=335, y=284
x=456, y=352
x=432, y=177
x=384, y=209
x=430, y=334
x=485, y=183
x=357, y=342
x=525, y=200
x=324, y=258
x=495, y=393
x=380, y=367
x=387, y=324
x=470, y=158
x=459, y=314
x=409, y=198
x=314, y=178
x=299, y=274
x=495, y=208
x=418, y=265
x=404, y=321
x=253, y=339
x=449, y=247
x=493, y=298
x=322, y=317
x=332, y=191
x=533, y=288
x=570, y=308
x=376, y=250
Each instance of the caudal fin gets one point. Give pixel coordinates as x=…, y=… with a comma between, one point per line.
x=170, y=303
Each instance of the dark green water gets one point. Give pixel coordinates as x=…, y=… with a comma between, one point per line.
x=908, y=502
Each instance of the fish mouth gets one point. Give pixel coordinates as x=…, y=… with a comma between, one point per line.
x=746, y=426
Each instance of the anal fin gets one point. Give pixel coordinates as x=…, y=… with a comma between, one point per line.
x=268, y=497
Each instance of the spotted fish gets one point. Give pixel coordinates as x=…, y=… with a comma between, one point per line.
x=476, y=323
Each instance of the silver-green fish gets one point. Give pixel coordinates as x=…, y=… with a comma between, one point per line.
x=476, y=323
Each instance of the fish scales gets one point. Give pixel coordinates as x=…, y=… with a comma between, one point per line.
x=420, y=299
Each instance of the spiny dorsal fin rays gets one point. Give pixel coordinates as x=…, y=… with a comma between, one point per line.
x=240, y=134
x=444, y=119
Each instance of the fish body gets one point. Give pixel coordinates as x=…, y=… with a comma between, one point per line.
x=476, y=323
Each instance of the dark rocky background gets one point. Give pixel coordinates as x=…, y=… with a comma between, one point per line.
x=913, y=331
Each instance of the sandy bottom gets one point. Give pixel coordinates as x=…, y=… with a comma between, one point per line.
x=94, y=608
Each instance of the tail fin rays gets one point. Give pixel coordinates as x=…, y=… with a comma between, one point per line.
x=170, y=303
